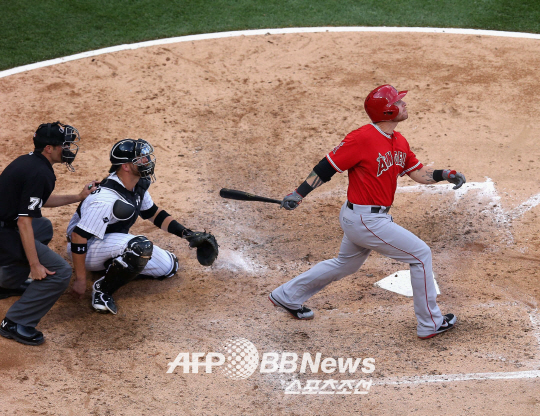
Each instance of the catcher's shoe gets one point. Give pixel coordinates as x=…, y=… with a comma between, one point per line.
x=302, y=313
x=449, y=321
x=102, y=302
x=24, y=334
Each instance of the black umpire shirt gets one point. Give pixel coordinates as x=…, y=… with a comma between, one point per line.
x=25, y=185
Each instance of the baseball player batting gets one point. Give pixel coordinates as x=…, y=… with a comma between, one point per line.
x=98, y=233
x=375, y=156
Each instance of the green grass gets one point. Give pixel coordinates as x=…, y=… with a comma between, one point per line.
x=36, y=30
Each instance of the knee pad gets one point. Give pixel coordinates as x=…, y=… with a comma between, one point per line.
x=138, y=252
x=125, y=268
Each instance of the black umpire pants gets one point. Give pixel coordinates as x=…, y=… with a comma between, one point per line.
x=40, y=295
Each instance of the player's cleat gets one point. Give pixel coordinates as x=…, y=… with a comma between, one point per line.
x=302, y=313
x=24, y=334
x=102, y=302
x=449, y=321
x=7, y=293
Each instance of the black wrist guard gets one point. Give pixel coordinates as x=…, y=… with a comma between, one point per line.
x=177, y=229
x=437, y=175
x=304, y=189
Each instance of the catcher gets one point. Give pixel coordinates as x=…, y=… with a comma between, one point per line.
x=98, y=233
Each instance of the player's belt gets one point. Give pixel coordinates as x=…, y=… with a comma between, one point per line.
x=368, y=208
x=8, y=224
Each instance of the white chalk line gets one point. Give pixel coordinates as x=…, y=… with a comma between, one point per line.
x=534, y=316
x=447, y=378
x=259, y=32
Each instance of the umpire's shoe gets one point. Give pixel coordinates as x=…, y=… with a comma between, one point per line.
x=302, y=313
x=102, y=302
x=24, y=334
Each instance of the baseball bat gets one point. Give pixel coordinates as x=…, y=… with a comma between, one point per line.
x=245, y=196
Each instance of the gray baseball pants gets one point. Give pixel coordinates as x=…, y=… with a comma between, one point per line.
x=365, y=231
x=40, y=295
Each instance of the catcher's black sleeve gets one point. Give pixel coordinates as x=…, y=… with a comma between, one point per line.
x=82, y=233
x=149, y=213
x=324, y=170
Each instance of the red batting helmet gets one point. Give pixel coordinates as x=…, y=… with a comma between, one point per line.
x=379, y=104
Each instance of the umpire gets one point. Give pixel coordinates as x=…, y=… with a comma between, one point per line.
x=26, y=185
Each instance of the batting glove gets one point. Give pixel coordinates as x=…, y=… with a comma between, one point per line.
x=291, y=201
x=454, y=177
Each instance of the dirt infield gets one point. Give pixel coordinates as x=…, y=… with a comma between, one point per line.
x=256, y=114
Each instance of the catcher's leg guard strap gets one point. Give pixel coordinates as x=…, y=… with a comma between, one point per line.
x=174, y=267
x=125, y=268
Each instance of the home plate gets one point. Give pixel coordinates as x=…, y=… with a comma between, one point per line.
x=400, y=282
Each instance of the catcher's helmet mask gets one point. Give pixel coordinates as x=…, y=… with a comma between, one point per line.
x=139, y=152
x=58, y=134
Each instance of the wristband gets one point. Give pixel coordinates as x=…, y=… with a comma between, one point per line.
x=437, y=175
x=304, y=189
x=79, y=248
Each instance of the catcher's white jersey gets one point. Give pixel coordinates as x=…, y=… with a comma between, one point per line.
x=97, y=210
x=96, y=213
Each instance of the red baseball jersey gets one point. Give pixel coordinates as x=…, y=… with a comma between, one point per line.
x=374, y=160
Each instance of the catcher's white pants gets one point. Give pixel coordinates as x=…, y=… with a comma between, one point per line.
x=114, y=244
x=364, y=232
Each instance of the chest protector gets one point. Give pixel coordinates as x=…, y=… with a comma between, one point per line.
x=134, y=197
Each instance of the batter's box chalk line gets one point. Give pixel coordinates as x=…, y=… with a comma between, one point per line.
x=447, y=378
x=534, y=316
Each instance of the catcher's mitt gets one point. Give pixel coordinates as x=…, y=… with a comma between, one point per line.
x=206, y=245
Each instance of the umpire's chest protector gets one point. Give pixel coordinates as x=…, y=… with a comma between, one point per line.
x=134, y=197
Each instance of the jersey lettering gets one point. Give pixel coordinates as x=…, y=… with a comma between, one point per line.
x=385, y=162
x=400, y=158
x=338, y=146
x=35, y=203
